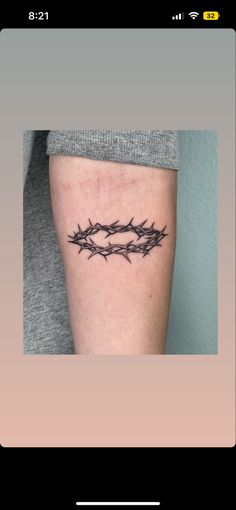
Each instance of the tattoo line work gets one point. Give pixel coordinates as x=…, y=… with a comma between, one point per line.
x=151, y=236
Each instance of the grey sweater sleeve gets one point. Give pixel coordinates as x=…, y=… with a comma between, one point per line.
x=28, y=140
x=149, y=148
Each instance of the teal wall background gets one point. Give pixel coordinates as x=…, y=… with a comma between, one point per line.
x=193, y=314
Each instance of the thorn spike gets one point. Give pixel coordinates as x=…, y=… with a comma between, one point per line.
x=141, y=224
x=126, y=257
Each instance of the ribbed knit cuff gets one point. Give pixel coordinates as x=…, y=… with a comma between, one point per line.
x=149, y=148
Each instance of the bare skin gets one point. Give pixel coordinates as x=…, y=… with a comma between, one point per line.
x=116, y=306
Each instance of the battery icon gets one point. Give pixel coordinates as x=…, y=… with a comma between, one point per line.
x=211, y=15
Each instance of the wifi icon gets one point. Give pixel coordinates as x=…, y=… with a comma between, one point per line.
x=193, y=15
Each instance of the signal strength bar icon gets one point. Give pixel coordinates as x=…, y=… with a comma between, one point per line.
x=178, y=16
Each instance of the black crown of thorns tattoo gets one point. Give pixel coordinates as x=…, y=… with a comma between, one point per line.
x=151, y=238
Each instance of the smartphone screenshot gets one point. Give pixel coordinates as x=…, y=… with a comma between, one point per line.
x=117, y=154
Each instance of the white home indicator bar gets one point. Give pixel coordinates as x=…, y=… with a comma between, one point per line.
x=118, y=503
